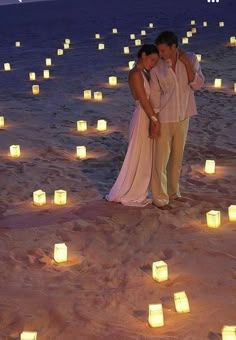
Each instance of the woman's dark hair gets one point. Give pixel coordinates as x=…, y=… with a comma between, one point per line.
x=167, y=37
x=147, y=49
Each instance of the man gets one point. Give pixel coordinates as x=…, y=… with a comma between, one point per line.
x=173, y=82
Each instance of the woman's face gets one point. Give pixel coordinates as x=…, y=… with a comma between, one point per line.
x=150, y=60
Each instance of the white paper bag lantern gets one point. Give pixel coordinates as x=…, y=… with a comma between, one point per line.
x=150, y=25
x=2, y=122
x=112, y=80
x=229, y=333
x=155, y=316
x=101, y=46
x=137, y=42
x=204, y=23
x=81, y=125
x=189, y=34
x=87, y=94
x=101, y=125
x=66, y=46
x=213, y=218
x=234, y=87
x=60, y=197
x=35, y=89
x=132, y=36
x=46, y=74
x=232, y=213
x=7, y=67
x=184, y=40
x=193, y=22
x=97, y=95
x=217, y=83
x=114, y=30
x=181, y=302
x=32, y=76
x=143, y=32
x=97, y=36
x=221, y=24
x=210, y=166
x=199, y=57
x=60, y=51
x=194, y=30
x=126, y=50
x=81, y=152
x=17, y=43
x=60, y=252
x=67, y=41
x=232, y=40
x=131, y=64
x=48, y=62
x=28, y=336
x=39, y=198
x=15, y=151
x=159, y=271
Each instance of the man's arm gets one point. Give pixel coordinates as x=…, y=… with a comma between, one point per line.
x=155, y=94
x=193, y=69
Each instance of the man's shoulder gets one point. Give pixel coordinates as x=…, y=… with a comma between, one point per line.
x=159, y=65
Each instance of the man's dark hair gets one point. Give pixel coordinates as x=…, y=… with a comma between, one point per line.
x=148, y=49
x=167, y=37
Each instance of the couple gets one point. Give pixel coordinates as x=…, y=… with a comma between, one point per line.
x=162, y=83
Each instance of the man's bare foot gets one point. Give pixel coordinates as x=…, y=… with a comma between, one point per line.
x=164, y=207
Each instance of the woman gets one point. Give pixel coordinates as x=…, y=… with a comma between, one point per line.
x=131, y=186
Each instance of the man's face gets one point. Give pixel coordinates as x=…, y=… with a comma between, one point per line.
x=165, y=51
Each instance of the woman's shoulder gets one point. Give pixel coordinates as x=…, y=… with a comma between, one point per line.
x=135, y=73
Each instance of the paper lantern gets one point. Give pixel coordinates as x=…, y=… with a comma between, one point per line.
x=17, y=43
x=159, y=271
x=35, y=89
x=155, y=317
x=97, y=95
x=97, y=36
x=66, y=46
x=204, y=23
x=131, y=64
x=184, y=40
x=112, y=80
x=46, y=74
x=32, y=76
x=28, y=336
x=199, y=57
x=81, y=152
x=229, y=333
x=221, y=24
x=60, y=252
x=213, y=218
x=87, y=94
x=232, y=213
x=67, y=41
x=60, y=197
x=39, y=198
x=114, y=30
x=234, y=87
x=60, y=51
x=232, y=40
x=132, y=36
x=101, y=46
x=15, y=151
x=81, y=125
x=189, y=34
x=181, y=302
x=150, y=25
x=210, y=166
x=218, y=83
x=193, y=22
x=2, y=122
x=126, y=50
x=48, y=62
x=101, y=125
x=137, y=42
x=194, y=30
x=7, y=67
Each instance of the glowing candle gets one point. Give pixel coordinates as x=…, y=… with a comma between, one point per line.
x=2, y=122
x=159, y=271
x=232, y=40
x=131, y=64
x=60, y=51
x=194, y=30
x=213, y=218
x=181, y=302
x=193, y=22
x=66, y=46
x=210, y=166
x=229, y=333
x=150, y=25
x=87, y=94
x=218, y=83
x=32, y=76
x=81, y=125
x=232, y=213
x=48, y=62
x=189, y=34
x=114, y=30
x=60, y=252
x=221, y=24
x=101, y=125
x=97, y=95
x=184, y=40
x=143, y=32
x=46, y=74
x=204, y=23
x=17, y=44
x=199, y=57
x=113, y=80
x=97, y=36
x=7, y=67
x=126, y=50
x=15, y=151
x=39, y=197
x=132, y=36
x=137, y=42
x=101, y=46
x=155, y=317
x=60, y=197
x=81, y=152
x=67, y=41
x=28, y=336
x=35, y=89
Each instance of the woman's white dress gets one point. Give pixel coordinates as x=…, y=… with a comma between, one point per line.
x=132, y=183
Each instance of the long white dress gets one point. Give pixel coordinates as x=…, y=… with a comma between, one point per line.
x=132, y=183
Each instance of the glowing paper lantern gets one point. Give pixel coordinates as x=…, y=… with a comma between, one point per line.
x=60, y=252
x=101, y=125
x=60, y=197
x=131, y=64
x=210, y=166
x=232, y=40
x=189, y=34
x=35, y=89
x=112, y=80
x=221, y=24
x=194, y=30
x=97, y=95
x=229, y=333
x=150, y=25
x=193, y=22
x=101, y=46
x=81, y=125
x=232, y=213
x=66, y=46
x=17, y=43
x=114, y=30
x=234, y=87
x=46, y=74
x=81, y=152
x=143, y=32
x=60, y=51
x=67, y=41
x=97, y=36
x=199, y=57
x=159, y=271
x=155, y=317
x=32, y=76
x=126, y=50
x=204, y=23
x=2, y=122
x=132, y=36
x=137, y=42
x=181, y=302
x=7, y=67
x=87, y=94
x=213, y=218
x=15, y=151
x=184, y=40
x=39, y=197
x=28, y=336
x=218, y=83
x=48, y=62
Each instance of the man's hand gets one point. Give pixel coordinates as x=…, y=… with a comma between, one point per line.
x=154, y=129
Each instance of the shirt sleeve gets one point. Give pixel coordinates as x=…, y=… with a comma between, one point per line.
x=199, y=78
x=155, y=91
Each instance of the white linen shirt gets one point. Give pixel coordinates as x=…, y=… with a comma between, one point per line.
x=171, y=95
